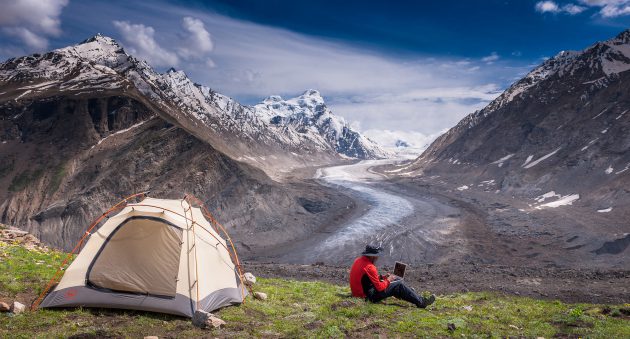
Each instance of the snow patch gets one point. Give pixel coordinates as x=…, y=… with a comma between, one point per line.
x=623, y=170
x=502, y=160
x=562, y=201
x=605, y=210
x=600, y=113
x=462, y=188
x=537, y=161
x=547, y=195
x=609, y=170
x=121, y=131
x=587, y=145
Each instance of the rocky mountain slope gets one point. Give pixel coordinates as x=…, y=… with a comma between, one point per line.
x=559, y=136
x=82, y=126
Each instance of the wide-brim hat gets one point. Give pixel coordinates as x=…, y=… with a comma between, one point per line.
x=372, y=251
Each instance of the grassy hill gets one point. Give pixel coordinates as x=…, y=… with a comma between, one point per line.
x=304, y=309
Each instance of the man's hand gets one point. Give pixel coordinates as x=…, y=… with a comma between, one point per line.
x=391, y=277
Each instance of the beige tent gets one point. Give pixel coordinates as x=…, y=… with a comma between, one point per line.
x=156, y=255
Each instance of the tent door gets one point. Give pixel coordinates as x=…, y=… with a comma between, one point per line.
x=140, y=256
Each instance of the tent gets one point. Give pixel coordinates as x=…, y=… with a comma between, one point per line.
x=155, y=255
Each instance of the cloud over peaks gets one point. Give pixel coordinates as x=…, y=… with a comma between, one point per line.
x=32, y=21
x=197, y=42
x=140, y=40
x=194, y=43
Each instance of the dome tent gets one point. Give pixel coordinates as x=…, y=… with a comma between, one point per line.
x=155, y=255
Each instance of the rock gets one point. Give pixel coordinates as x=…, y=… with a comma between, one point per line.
x=250, y=279
x=260, y=295
x=451, y=327
x=151, y=337
x=468, y=308
x=4, y=307
x=18, y=307
x=204, y=319
x=215, y=322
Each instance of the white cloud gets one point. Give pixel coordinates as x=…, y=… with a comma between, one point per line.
x=553, y=7
x=547, y=6
x=491, y=58
x=194, y=42
x=32, y=21
x=607, y=8
x=573, y=9
x=610, y=8
x=32, y=40
x=197, y=41
x=210, y=63
x=140, y=41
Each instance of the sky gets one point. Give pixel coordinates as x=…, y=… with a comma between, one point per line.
x=394, y=70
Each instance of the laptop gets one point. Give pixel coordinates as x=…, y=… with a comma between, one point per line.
x=399, y=269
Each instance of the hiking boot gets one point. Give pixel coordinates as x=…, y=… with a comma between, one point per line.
x=427, y=301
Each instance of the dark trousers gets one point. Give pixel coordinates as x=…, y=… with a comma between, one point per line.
x=396, y=289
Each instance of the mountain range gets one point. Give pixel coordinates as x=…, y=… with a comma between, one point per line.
x=84, y=125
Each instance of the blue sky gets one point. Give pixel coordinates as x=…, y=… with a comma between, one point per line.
x=406, y=69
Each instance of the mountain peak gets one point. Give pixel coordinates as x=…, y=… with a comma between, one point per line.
x=103, y=39
x=312, y=93
x=623, y=37
x=272, y=99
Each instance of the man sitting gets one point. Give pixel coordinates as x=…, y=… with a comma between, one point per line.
x=365, y=282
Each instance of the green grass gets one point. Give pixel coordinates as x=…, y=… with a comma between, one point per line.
x=57, y=176
x=23, y=179
x=307, y=309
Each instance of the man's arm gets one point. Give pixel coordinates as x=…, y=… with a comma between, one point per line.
x=372, y=273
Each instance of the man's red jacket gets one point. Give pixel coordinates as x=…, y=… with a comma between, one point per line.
x=362, y=266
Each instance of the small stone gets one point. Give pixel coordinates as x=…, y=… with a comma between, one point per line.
x=151, y=337
x=451, y=327
x=260, y=295
x=250, y=279
x=4, y=307
x=215, y=322
x=468, y=308
x=18, y=307
x=204, y=319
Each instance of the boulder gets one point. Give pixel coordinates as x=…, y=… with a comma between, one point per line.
x=18, y=307
x=250, y=279
x=204, y=319
x=4, y=307
x=260, y=295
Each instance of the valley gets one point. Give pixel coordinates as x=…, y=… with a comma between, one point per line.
x=510, y=190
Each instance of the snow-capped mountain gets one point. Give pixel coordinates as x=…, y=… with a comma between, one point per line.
x=313, y=135
x=308, y=114
x=564, y=127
